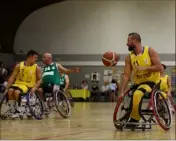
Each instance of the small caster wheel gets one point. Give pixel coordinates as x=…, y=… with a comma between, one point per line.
x=21, y=117
x=3, y=117
x=133, y=129
x=121, y=128
x=143, y=128
x=29, y=116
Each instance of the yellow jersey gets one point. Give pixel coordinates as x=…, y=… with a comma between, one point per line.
x=163, y=84
x=27, y=75
x=143, y=60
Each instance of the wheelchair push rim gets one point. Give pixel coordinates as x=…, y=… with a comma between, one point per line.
x=70, y=98
x=62, y=104
x=155, y=104
x=38, y=102
x=117, y=109
x=4, y=101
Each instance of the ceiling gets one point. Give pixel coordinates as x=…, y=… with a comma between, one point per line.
x=12, y=13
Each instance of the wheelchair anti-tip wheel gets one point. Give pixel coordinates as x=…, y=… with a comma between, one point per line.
x=35, y=105
x=161, y=110
x=62, y=104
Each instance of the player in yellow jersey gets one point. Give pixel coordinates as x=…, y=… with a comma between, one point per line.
x=165, y=86
x=26, y=76
x=145, y=64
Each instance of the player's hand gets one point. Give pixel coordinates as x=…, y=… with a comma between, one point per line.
x=140, y=68
x=120, y=96
x=32, y=92
x=77, y=70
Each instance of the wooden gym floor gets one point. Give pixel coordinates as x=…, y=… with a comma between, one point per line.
x=87, y=121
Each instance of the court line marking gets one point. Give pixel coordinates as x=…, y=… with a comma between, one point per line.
x=74, y=133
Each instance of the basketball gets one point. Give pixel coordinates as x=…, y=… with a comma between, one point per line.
x=110, y=58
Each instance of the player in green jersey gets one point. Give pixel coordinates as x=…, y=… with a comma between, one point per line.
x=51, y=76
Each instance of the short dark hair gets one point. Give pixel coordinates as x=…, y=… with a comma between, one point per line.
x=31, y=53
x=135, y=36
x=164, y=66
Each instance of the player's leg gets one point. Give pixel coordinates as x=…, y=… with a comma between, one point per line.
x=20, y=90
x=137, y=101
x=11, y=99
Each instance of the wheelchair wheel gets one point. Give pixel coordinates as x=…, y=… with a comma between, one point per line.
x=35, y=105
x=121, y=112
x=70, y=98
x=161, y=110
x=5, y=109
x=62, y=104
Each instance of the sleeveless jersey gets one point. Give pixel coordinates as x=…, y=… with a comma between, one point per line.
x=27, y=75
x=144, y=61
x=62, y=81
x=50, y=74
x=164, y=85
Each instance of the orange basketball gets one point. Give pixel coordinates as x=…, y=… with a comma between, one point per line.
x=110, y=58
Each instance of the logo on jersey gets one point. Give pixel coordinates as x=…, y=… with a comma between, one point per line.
x=146, y=61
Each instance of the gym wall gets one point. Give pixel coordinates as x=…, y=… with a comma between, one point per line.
x=79, y=32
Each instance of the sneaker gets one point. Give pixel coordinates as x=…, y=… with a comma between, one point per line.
x=16, y=114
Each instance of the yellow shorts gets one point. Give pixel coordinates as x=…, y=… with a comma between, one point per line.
x=21, y=87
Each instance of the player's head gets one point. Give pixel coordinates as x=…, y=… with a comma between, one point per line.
x=32, y=56
x=163, y=68
x=133, y=40
x=47, y=58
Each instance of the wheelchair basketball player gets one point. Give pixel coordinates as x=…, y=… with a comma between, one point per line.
x=51, y=77
x=26, y=77
x=165, y=87
x=146, y=66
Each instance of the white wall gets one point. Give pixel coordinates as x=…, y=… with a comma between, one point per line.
x=93, y=27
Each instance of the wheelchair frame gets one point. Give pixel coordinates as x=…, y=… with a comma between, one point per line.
x=144, y=112
x=29, y=112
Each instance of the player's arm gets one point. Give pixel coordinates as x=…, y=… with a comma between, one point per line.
x=13, y=76
x=66, y=71
x=67, y=81
x=169, y=85
x=39, y=77
x=155, y=59
x=127, y=75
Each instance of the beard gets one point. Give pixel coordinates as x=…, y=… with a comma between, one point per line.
x=131, y=48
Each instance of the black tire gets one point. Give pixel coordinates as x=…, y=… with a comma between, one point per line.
x=60, y=97
x=70, y=98
x=39, y=103
x=160, y=107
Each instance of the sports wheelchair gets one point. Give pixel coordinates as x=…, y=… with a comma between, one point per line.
x=30, y=106
x=159, y=109
x=58, y=100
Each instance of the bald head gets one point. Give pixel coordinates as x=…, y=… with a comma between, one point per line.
x=47, y=58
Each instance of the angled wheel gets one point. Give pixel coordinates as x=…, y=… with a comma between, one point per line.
x=62, y=104
x=70, y=98
x=161, y=110
x=35, y=105
x=5, y=109
x=121, y=112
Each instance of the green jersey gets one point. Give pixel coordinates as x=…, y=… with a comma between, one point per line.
x=62, y=81
x=50, y=74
